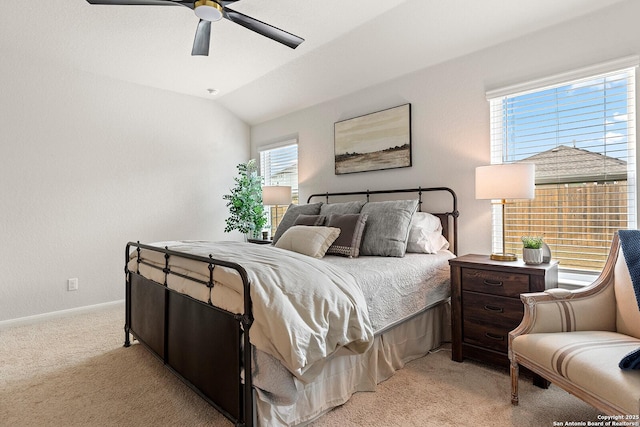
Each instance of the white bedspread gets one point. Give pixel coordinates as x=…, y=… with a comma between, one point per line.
x=398, y=288
x=304, y=308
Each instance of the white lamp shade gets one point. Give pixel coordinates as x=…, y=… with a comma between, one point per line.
x=276, y=195
x=506, y=181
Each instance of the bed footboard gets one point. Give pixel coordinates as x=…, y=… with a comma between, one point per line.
x=202, y=344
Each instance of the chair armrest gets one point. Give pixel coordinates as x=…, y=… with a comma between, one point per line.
x=592, y=308
x=562, y=310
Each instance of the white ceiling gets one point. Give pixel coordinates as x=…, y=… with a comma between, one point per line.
x=349, y=44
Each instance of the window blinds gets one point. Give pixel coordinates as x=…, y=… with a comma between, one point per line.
x=581, y=136
x=279, y=166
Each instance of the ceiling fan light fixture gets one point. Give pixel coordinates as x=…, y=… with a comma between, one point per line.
x=208, y=10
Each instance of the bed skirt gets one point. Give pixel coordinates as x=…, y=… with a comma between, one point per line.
x=346, y=374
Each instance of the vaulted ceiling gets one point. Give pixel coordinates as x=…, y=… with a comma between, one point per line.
x=349, y=44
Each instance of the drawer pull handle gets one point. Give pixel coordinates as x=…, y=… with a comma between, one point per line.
x=494, y=308
x=494, y=336
x=492, y=282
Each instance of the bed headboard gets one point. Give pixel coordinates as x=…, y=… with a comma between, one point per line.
x=448, y=216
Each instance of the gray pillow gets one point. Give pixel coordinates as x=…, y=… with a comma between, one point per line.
x=292, y=213
x=341, y=208
x=387, y=227
x=313, y=220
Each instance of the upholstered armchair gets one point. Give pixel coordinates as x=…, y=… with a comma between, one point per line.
x=575, y=339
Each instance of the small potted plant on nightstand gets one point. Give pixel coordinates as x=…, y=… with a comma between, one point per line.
x=532, y=250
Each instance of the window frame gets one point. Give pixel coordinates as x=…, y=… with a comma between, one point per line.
x=497, y=137
x=276, y=213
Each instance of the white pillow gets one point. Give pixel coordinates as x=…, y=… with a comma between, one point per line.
x=426, y=221
x=308, y=240
x=425, y=234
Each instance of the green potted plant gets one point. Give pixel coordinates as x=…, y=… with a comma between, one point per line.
x=532, y=250
x=247, y=214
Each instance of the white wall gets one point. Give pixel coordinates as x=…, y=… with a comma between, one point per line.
x=88, y=164
x=450, y=113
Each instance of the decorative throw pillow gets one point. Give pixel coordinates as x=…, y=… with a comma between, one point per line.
x=316, y=220
x=292, y=213
x=425, y=234
x=387, y=227
x=351, y=228
x=631, y=360
x=308, y=240
x=342, y=208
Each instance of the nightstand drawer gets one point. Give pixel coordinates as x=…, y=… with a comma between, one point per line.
x=500, y=312
x=494, y=282
x=487, y=336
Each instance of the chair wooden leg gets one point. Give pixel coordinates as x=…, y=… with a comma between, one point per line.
x=514, y=382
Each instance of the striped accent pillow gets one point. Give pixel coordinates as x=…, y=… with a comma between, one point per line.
x=351, y=229
x=308, y=240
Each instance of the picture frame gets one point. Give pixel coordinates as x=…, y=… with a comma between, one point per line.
x=374, y=141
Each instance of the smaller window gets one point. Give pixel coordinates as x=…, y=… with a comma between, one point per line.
x=279, y=166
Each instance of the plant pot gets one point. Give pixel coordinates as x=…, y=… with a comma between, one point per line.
x=532, y=256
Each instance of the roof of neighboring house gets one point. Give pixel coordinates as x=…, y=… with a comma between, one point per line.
x=569, y=164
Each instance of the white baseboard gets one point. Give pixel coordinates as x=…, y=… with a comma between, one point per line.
x=56, y=314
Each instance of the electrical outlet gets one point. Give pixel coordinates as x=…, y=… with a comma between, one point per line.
x=72, y=284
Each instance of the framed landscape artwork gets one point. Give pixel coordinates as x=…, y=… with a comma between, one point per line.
x=375, y=141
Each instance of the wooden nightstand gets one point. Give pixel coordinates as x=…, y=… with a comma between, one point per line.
x=486, y=306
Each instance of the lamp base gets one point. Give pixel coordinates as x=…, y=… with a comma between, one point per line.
x=504, y=257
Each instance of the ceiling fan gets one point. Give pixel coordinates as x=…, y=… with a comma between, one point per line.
x=210, y=11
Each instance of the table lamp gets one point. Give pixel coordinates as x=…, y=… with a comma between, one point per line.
x=502, y=182
x=276, y=195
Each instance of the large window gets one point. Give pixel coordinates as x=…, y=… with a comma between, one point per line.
x=279, y=166
x=580, y=133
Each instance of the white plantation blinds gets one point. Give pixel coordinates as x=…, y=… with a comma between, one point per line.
x=580, y=134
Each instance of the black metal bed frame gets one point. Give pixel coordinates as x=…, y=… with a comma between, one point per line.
x=171, y=324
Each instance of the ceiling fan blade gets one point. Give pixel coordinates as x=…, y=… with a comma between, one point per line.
x=188, y=3
x=203, y=36
x=262, y=28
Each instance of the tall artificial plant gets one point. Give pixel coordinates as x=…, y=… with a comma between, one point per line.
x=247, y=214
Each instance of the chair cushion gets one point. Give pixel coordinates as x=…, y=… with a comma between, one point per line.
x=588, y=359
x=627, y=312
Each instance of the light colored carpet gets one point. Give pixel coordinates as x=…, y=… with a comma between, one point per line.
x=73, y=371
